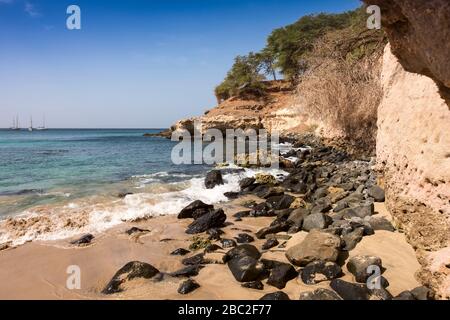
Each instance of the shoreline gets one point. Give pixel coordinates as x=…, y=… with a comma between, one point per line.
x=110, y=250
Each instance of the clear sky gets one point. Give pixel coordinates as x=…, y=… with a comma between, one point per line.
x=134, y=63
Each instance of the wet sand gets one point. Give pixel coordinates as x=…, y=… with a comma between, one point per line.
x=38, y=270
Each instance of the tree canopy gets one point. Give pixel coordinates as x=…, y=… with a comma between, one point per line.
x=285, y=53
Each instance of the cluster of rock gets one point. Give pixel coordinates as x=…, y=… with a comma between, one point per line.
x=325, y=194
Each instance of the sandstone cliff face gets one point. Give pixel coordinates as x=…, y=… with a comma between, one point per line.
x=278, y=111
x=413, y=150
x=419, y=32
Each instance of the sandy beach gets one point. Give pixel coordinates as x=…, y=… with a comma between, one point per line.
x=38, y=270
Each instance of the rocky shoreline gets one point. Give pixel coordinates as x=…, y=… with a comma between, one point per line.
x=313, y=219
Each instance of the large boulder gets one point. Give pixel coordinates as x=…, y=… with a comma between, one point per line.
x=213, y=179
x=214, y=219
x=195, y=210
x=243, y=250
x=317, y=245
x=376, y=193
x=130, y=271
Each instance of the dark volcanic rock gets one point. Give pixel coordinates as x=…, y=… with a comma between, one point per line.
x=186, y=272
x=243, y=250
x=352, y=239
x=281, y=274
x=246, y=183
x=422, y=293
x=257, y=285
x=269, y=192
x=134, y=230
x=179, y=252
x=86, y=239
x=242, y=214
x=232, y=195
x=316, y=221
x=188, y=286
x=213, y=178
x=353, y=291
x=319, y=294
x=361, y=211
x=317, y=245
x=380, y=223
x=270, y=243
x=405, y=295
x=283, y=226
x=228, y=243
x=194, y=260
x=195, y=210
x=298, y=216
x=246, y=269
x=283, y=203
x=212, y=248
x=128, y=272
x=377, y=193
x=214, y=233
x=214, y=219
x=279, y=295
x=318, y=271
x=263, y=210
x=358, y=265
x=244, y=238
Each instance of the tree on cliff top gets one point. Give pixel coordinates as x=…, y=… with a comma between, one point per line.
x=286, y=52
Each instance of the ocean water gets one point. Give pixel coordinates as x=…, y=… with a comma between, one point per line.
x=59, y=183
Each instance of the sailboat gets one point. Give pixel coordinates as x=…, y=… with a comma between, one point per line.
x=15, y=124
x=31, y=125
x=42, y=128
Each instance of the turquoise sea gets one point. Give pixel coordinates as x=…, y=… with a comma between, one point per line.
x=61, y=182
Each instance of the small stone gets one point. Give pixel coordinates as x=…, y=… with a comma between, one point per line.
x=283, y=226
x=316, y=221
x=270, y=243
x=244, y=238
x=194, y=260
x=246, y=269
x=405, y=295
x=380, y=223
x=84, y=240
x=318, y=271
x=319, y=294
x=128, y=272
x=279, y=295
x=358, y=266
x=422, y=293
x=257, y=285
x=353, y=291
x=214, y=219
x=179, y=252
x=228, y=243
x=281, y=274
x=134, y=230
x=195, y=210
x=377, y=193
x=213, y=179
x=352, y=239
x=188, y=286
x=212, y=248
x=243, y=250
x=186, y=272
x=214, y=233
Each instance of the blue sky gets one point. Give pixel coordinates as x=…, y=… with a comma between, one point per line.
x=134, y=63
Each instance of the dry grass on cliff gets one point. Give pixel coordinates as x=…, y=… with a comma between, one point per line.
x=343, y=93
